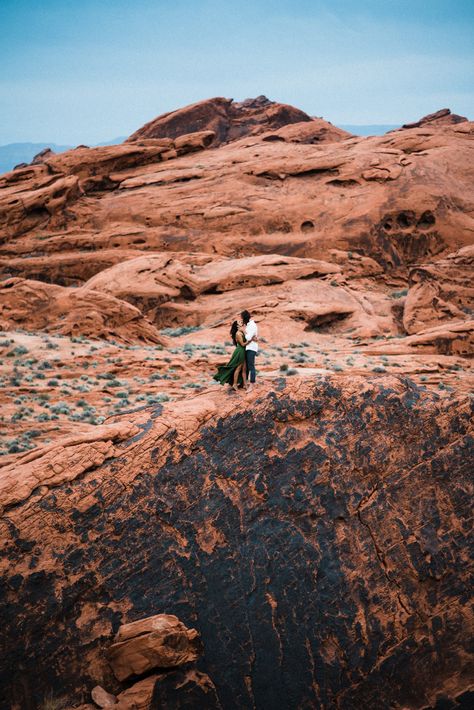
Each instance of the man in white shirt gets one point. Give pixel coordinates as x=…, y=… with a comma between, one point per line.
x=251, y=331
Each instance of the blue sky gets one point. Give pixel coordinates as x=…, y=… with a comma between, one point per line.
x=75, y=71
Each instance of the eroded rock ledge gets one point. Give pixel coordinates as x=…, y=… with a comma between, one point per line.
x=315, y=533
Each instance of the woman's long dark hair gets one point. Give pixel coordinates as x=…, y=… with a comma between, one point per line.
x=233, y=331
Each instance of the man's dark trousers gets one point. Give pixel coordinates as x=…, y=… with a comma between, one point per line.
x=250, y=358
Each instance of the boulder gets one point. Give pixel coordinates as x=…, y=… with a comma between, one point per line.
x=140, y=695
x=102, y=698
x=442, y=117
x=160, y=641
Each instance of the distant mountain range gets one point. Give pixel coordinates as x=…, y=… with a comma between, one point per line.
x=15, y=153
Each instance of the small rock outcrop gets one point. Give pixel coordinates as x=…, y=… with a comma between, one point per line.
x=227, y=119
x=34, y=305
x=440, y=291
x=443, y=117
x=160, y=641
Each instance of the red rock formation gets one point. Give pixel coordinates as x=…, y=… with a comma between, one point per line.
x=440, y=291
x=228, y=119
x=312, y=534
x=33, y=305
x=443, y=117
x=388, y=198
x=160, y=641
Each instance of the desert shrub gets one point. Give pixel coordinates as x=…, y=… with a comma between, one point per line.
x=284, y=367
x=399, y=294
x=106, y=376
x=379, y=368
x=52, y=703
x=337, y=368
x=183, y=330
x=20, y=350
x=53, y=383
x=33, y=433
x=61, y=408
x=292, y=372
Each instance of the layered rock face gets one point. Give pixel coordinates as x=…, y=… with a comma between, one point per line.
x=315, y=535
x=228, y=119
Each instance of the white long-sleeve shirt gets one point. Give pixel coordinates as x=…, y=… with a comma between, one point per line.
x=251, y=330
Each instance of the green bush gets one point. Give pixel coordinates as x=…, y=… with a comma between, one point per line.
x=183, y=330
x=20, y=350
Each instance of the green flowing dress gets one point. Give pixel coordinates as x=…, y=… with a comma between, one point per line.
x=225, y=373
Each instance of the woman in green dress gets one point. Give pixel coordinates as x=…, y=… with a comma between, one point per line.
x=235, y=372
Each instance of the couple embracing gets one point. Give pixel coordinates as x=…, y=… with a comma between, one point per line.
x=241, y=365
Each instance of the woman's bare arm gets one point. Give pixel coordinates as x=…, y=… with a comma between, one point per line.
x=241, y=339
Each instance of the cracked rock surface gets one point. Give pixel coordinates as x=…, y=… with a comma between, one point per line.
x=315, y=534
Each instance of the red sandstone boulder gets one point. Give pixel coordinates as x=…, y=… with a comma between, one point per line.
x=443, y=117
x=160, y=641
x=102, y=698
x=139, y=696
x=42, y=156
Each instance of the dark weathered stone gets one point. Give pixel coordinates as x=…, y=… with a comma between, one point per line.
x=315, y=535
